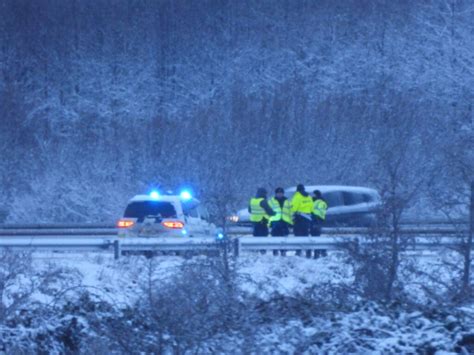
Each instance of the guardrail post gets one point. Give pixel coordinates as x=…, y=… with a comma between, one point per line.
x=357, y=246
x=236, y=243
x=471, y=212
x=117, y=249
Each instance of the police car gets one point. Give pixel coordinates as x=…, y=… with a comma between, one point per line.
x=347, y=205
x=165, y=215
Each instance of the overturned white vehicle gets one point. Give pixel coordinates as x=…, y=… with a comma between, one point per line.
x=347, y=205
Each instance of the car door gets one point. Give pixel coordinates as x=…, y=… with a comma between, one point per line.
x=335, y=213
x=208, y=227
x=355, y=208
x=194, y=225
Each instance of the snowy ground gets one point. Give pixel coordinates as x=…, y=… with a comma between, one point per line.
x=262, y=275
x=287, y=276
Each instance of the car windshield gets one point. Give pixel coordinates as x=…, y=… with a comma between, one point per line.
x=141, y=209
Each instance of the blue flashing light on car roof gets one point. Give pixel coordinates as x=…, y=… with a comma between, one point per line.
x=155, y=194
x=185, y=195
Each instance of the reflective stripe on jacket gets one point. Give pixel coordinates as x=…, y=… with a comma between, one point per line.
x=280, y=214
x=319, y=208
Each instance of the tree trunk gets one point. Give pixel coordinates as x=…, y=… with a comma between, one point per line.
x=466, y=284
x=393, y=266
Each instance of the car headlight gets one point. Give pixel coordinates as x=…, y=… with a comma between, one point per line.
x=234, y=218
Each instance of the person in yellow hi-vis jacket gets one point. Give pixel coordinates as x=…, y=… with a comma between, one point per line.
x=320, y=207
x=302, y=209
x=282, y=219
x=260, y=213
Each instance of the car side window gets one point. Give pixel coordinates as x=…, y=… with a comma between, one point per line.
x=368, y=198
x=353, y=198
x=334, y=198
x=203, y=212
x=191, y=212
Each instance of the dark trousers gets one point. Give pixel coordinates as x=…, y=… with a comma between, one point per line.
x=316, y=225
x=280, y=229
x=260, y=229
x=301, y=228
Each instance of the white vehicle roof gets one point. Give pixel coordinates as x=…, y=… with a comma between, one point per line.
x=164, y=198
x=329, y=188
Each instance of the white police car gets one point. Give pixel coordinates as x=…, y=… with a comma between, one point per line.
x=157, y=215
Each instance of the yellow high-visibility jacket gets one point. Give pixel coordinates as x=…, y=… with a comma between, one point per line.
x=257, y=213
x=319, y=208
x=280, y=213
x=301, y=204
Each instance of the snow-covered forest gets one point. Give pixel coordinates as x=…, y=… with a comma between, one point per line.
x=101, y=99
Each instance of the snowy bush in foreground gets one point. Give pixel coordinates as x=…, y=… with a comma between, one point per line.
x=255, y=304
x=366, y=329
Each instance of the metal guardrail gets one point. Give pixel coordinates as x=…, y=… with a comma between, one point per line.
x=118, y=245
x=83, y=230
x=425, y=230
x=53, y=244
x=103, y=237
x=58, y=232
x=404, y=222
x=203, y=244
x=332, y=243
x=57, y=226
x=435, y=221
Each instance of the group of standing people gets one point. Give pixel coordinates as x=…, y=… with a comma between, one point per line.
x=304, y=213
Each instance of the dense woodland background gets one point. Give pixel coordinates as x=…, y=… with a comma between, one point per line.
x=99, y=100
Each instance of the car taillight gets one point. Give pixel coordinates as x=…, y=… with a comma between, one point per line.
x=125, y=223
x=173, y=224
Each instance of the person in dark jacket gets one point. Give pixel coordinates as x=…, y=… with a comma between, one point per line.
x=260, y=213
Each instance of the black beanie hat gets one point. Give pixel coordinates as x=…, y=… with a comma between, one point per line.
x=261, y=192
